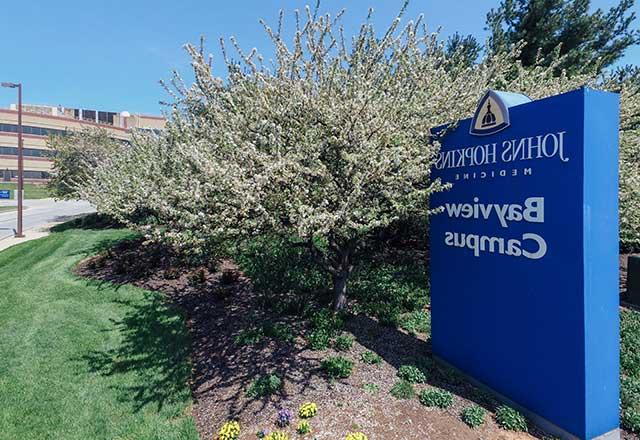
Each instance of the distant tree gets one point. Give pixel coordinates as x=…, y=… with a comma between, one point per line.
x=464, y=48
x=588, y=42
x=628, y=74
x=76, y=155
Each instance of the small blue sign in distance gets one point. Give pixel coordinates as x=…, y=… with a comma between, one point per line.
x=5, y=194
x=524, y=257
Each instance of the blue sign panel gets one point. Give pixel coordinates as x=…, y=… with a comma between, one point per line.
x=5, y=194
x=524, y=256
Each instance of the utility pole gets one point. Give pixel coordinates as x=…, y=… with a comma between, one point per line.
x=18, y=86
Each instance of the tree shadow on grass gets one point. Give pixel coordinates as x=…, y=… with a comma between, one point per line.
x=154, y=340
x=151, y=359
x=92, y=221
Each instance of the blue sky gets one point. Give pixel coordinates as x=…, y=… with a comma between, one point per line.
x=110, y=54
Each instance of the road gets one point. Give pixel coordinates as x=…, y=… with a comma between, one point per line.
x=40, y=212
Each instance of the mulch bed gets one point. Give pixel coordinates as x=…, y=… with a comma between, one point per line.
x=220, y=303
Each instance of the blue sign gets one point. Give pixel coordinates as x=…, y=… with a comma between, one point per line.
x=5, y=194
x=524, y=256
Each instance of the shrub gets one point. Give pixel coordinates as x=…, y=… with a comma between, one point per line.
x=229, y=431
x=403, y=390
x=412, y=374
x=284, y=417
x=631, y=419
x=389, y=317
x=319, y=339
x=629, y=341
x=387, y=291
x=277, y=435
x=344, y=342
x=356, y=436
x=473, y=416
x=303, y=427
x=275, y=266
x=337, y=367
x=511, y=419
x=371, y=358
x=307, y=410
x=630, y=399
x=249, y=337
x=264, y=386
x=436, y=398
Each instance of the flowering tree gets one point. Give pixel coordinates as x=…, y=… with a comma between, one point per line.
x=327, y=144
x=629, y=163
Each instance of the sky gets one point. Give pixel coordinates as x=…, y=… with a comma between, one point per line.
x=109, y=55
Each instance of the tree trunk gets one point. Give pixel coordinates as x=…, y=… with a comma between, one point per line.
x=340, y=290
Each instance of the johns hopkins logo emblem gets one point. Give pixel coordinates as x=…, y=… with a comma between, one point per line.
x=492, y=114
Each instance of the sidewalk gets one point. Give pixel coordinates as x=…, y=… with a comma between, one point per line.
x=31, y=234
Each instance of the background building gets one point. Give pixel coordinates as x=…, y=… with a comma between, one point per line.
x=41, y=121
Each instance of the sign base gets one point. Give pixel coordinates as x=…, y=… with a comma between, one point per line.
x=541, y=422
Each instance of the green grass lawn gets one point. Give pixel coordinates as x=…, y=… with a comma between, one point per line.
x=84, y=360
x=31, y=190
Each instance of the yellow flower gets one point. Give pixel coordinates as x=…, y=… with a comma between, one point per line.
x=229, y=431
x=356, y=436
x=277, y=436
x=308, y=410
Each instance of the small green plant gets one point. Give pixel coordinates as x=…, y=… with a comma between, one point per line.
x=403, y=390
x=436, y=398
x=325, y=325
x=418, y=321
x=264, y=386
x=337, y=367
x=279, y=331
x=371, y=358
x=172, y=273
x=328, y=320
x=371, y=388
x=344, y=342
x=229, y=431
x=249, y=337
x=389, y=317
x=473, y=416
x=197, y=277
x=319, y=339
x=303, y=427
x=511, y=419
x=307, y=410
x=412, y=374
x=229, y=276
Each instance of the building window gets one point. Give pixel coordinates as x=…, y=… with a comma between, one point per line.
x=28, y=174
x=28, y=129
x=31, y=152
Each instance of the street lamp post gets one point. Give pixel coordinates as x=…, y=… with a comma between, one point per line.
x=20, y=154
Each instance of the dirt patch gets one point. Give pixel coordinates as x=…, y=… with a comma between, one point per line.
x=220, y=303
